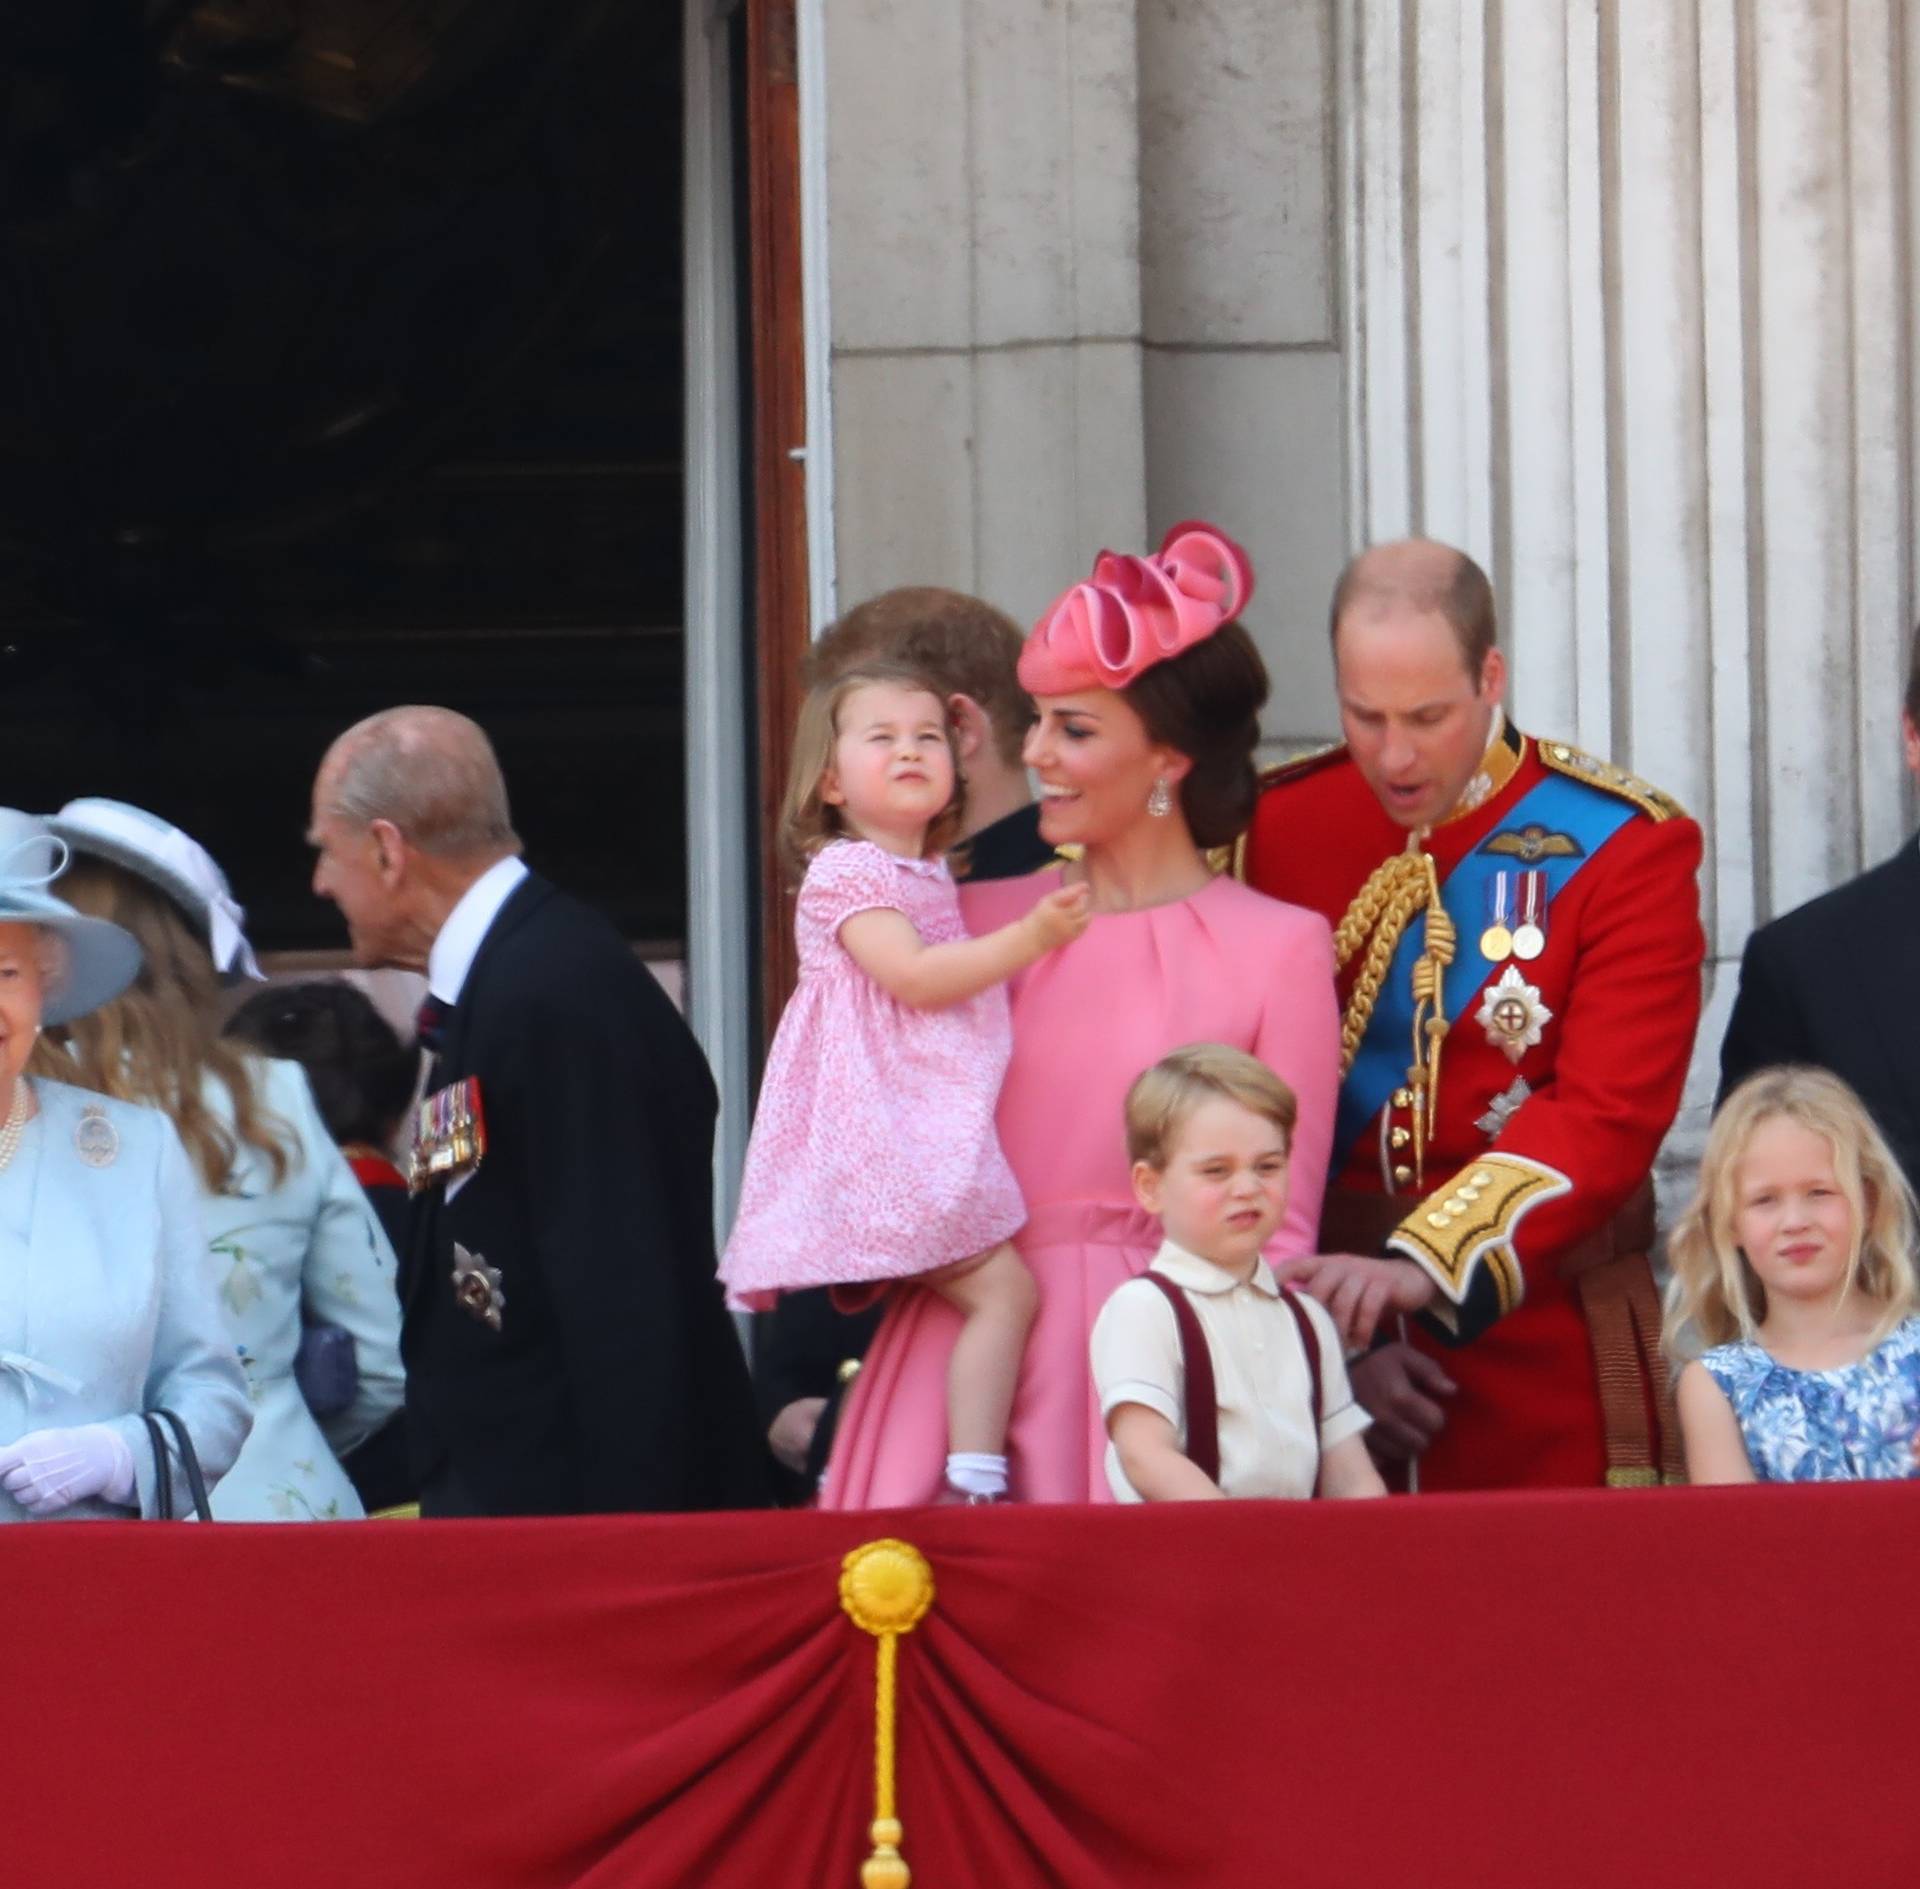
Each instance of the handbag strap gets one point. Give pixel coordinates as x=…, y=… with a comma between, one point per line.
x=189, y=1465
x=162, y=1468
x=1310, y=1344
x=1196, y=1373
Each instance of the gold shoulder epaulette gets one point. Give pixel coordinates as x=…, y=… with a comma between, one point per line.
x=1298, y=766
x=1563, y=758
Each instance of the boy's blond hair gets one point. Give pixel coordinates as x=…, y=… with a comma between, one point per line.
x=1714, y=1296
x=1163, y=1097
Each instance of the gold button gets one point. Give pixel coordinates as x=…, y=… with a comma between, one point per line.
x=1469, y=1194
x=1402, y=1174
x=1403, y=1098
x=848, y=1371
x=1436, y=1220
x=1561, y=753
x=1400, y=1137
x=1482, y=1178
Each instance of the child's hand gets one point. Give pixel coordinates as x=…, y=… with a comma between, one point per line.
x=1062, y=916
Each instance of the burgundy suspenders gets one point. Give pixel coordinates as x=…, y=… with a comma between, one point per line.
x=1196, y=1371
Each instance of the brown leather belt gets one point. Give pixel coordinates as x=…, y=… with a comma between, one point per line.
x=1611, y=1277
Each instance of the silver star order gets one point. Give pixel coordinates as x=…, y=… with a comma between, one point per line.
x=477, y=1286
x=1512, y=1014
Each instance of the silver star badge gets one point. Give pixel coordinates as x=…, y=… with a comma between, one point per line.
x=1512, y=1014
x=476, y=1286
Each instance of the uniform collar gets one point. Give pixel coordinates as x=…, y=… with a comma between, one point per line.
x=1505, y=751
x=1202, y=1275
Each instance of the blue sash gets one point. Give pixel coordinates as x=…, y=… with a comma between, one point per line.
x=1557, y=803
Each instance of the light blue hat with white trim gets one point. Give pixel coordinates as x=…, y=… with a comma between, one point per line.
x=173, y=862
x=101, y=958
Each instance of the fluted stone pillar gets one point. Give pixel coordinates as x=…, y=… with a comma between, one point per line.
x=1630, y=315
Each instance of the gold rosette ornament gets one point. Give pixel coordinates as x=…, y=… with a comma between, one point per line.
x=886, y=1588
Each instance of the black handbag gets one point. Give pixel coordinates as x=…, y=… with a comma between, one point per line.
x=326, y=1368
x=158, y=1423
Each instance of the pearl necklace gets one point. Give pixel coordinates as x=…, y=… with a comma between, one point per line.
x=16, y=1123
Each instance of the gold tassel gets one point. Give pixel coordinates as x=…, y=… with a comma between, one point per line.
x=886, y=1588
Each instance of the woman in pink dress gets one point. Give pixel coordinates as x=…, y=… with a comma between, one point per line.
x=1149, y=695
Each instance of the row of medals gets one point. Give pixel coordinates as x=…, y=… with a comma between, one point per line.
x=1526, y=940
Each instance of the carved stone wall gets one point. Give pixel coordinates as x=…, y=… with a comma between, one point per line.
x=1630, y=316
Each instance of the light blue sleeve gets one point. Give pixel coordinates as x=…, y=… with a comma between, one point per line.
x=350, y=1280
x=195, y=1370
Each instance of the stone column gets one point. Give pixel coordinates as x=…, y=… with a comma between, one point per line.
x=1083, y=283
x=984, y=218
x=1630, y=316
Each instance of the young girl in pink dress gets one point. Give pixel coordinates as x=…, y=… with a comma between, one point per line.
x=873, y=1156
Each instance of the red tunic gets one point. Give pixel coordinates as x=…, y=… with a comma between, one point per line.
x=1621, y=975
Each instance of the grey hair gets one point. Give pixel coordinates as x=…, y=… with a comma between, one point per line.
x=55, y=959
x=433, y=774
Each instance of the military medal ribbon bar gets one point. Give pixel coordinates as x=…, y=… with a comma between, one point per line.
x=449, y=1135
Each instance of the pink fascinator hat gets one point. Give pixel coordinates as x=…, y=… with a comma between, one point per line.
x=1134, y=612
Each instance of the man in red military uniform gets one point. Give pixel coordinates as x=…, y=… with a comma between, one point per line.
x=1518, y=931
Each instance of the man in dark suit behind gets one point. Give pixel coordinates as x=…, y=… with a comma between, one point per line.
x=1837, y=983
x=566, y=1345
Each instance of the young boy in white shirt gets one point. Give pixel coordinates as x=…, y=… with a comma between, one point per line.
x=1209, y=1130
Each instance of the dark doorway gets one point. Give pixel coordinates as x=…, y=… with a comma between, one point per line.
x=340, y=365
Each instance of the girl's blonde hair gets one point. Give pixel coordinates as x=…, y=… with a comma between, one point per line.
x=807, y=822
x=157, y=1041
x=1714, y=1295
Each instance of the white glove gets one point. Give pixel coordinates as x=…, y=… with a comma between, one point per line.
x=48, y=1470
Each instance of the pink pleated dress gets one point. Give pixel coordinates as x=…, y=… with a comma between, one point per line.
x=874, y=1154
x=1227, y=965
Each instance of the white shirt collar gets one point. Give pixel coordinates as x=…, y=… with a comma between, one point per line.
x=1202, y=1275
x=467, y=926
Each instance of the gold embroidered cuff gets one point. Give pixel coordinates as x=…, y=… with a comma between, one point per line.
x=1465, y=1230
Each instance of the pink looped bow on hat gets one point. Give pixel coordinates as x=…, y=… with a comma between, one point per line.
x=1135, y=612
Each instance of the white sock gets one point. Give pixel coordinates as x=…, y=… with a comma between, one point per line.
x=974, y=1473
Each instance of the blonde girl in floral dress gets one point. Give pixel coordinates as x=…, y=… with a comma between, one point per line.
x=1794, y=1267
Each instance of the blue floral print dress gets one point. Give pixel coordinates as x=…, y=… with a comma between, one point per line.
x=1853, y=1424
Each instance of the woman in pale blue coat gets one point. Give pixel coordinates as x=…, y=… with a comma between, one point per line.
x=108, y=1303
x=288, y=1228
x=312, y=1242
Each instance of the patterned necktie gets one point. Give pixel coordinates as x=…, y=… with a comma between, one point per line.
x=430, y=1023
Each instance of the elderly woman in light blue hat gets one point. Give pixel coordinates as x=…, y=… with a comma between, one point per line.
x=289, y=1229
x=108, y=1301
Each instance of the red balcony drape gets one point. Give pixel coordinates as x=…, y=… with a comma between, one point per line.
x=1659, y=1687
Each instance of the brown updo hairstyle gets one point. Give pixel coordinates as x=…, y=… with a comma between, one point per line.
x=1206, y=702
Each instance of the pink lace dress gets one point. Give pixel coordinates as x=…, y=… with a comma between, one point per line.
x=873, y=1155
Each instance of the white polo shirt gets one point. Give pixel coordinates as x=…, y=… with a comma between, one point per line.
x=1261, y=1376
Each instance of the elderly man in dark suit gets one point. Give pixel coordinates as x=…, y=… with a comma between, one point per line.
x=1835, y=983
x=566, y=1345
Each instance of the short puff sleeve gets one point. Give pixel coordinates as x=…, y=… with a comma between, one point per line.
x=846, y=877
x=1136, y=1354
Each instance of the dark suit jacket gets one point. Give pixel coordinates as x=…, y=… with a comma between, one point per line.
x=616, y=1381
x=1837, y=983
